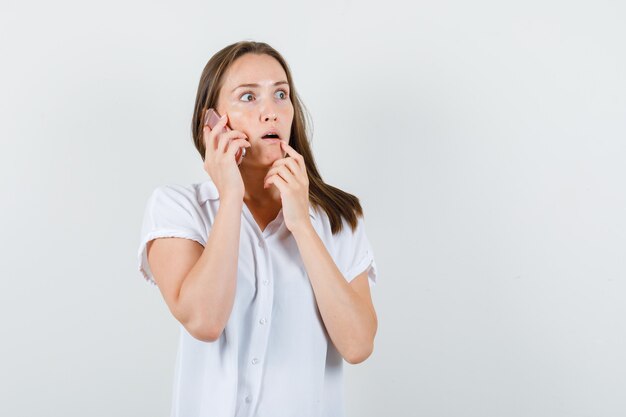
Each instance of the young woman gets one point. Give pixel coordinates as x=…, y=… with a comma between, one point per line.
x=267, y=268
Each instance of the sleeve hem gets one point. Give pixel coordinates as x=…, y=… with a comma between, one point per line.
x=366, y=264
x=142, y=255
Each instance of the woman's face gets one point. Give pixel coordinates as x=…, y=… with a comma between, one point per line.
x=256, y=97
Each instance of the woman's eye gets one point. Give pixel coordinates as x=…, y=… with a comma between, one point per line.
x=246, y=94
x=284, y=93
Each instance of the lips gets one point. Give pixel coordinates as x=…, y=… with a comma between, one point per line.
x=271, y=134
x=271, y=140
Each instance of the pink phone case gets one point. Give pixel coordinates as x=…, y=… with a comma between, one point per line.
x=213, y=119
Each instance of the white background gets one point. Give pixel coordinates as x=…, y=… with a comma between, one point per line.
x=485, y=139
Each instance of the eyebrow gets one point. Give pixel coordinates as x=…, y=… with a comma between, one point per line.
x=257, y=85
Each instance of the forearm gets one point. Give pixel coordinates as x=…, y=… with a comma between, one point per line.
x=349, y=320
x=208, y=291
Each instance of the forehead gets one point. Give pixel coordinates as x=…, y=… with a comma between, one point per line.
x=252, y=68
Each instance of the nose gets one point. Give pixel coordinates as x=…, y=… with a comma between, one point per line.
x=268, y=112
x=269, y=116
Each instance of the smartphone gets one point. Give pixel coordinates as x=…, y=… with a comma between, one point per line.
x=213, y=119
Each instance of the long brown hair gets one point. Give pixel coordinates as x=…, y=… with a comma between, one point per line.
x=335, y=202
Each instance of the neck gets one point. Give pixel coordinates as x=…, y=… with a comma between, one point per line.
x=253, y=180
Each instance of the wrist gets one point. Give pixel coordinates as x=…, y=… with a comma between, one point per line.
x=304, y=230
x=231, y=200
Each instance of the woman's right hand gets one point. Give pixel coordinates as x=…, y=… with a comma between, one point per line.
x=221, y=145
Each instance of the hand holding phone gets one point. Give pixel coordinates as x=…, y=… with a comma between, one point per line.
x=222, y=154
x=213, y=118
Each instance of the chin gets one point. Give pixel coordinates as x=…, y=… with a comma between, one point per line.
x=264, y=155
x=270, y=159
x=267, y=159
x=273, y=155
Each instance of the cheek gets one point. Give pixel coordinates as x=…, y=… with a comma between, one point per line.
x=290, y=117
x=237, y=117
x=288, y=112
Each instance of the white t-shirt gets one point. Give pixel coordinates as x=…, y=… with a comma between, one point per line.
x=274, y=357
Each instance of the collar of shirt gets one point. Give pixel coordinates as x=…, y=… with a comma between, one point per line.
x=208, y=191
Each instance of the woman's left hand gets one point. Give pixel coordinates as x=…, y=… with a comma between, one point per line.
x=290, y=177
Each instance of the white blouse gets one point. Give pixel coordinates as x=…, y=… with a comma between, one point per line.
x=274, y=357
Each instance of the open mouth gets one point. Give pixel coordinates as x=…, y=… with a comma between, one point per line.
x=271, y=138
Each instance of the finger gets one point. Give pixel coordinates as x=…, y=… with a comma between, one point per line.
x=235, y=145
x=275, y=165
x=219, y=127
x=209, y=146
x=284, y=173
x=268, y=175
x=221, y=123
x=295, y=155
x=298, y=172
x=209, y=138
x=290, y=163
x=279, y=183
x=221, y=142
x=293, y=166
x=226, y=137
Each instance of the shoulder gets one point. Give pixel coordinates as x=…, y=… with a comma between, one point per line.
x=350, y=248
x=343, y=237
x=346, y=232
x=175, y=210
x=355, y=252
x=175, y=205
x=193, y=195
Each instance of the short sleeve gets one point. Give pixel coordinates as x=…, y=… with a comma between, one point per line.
x=171, y=211
x=354, y=253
